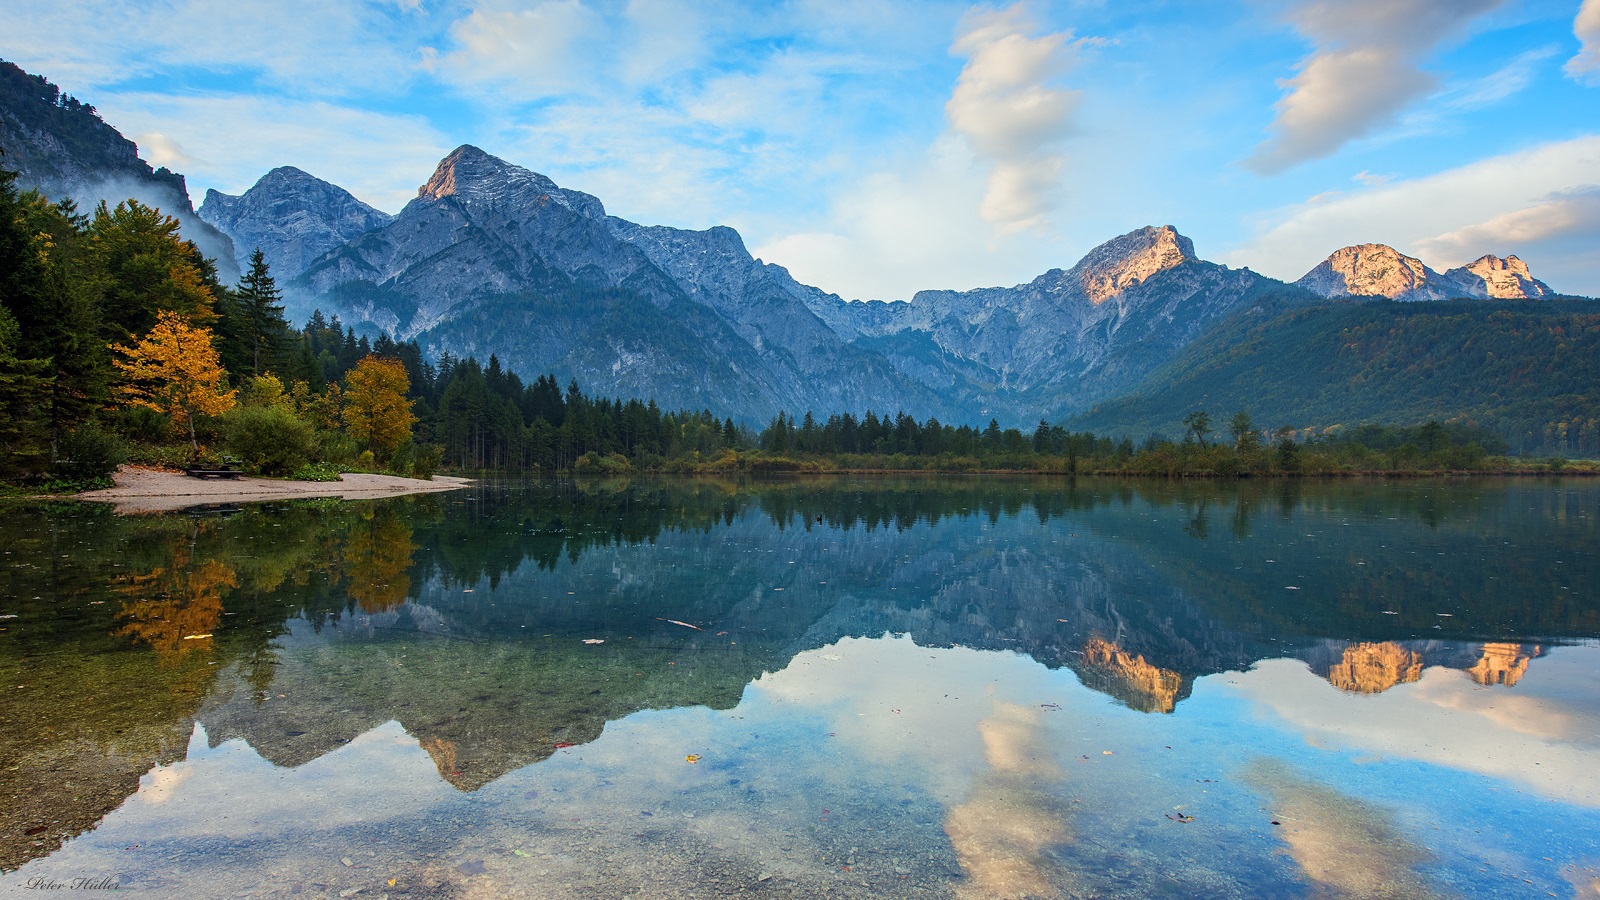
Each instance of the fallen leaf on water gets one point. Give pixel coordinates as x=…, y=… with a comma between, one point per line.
x=392, y=881
x=594, y=640
x=1180, y=817
x=346, y=861
x=692, y=758
x=519, y=852
x=684, y=624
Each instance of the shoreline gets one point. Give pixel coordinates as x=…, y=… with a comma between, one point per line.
x=143, y=490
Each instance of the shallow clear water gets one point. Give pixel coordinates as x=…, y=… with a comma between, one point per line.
x=870, y=687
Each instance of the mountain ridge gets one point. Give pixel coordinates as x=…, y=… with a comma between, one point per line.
x=486, y=238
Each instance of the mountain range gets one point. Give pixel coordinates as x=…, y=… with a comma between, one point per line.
x=491, y=258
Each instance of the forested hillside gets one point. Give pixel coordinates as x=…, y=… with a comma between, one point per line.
x=1528, y=371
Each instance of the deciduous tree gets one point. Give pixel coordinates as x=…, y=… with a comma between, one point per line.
x=175, y=370
x=376, y=411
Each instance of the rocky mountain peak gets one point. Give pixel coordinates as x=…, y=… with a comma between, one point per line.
x=1369, y=270
x=1128, y=260
x=1501, y=279
x=292, y=216
x=478, y=178
x=465, y=165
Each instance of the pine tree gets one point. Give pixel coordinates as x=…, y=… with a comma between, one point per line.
x=262, y=324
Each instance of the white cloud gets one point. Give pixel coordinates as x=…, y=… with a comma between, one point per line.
x=1412, y=213
x=1363, y=73
x=913, y=226
x=1585, y=67
x=159, y=149
x=1004, y=104
x=229, y=142
x=1571, y=213
x=528, y=53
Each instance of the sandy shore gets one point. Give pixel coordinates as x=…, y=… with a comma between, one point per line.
x=140, y=490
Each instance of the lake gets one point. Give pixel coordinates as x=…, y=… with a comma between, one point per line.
x=861, y=686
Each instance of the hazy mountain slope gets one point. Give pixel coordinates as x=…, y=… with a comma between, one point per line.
x=1516, y=367
x=62, y=148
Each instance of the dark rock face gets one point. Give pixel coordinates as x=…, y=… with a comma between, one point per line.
x=62, y=149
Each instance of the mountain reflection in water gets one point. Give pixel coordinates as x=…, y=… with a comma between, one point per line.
x=449, y=630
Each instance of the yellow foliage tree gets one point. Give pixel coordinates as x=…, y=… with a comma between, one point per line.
x=376, y=411
x=175, y=370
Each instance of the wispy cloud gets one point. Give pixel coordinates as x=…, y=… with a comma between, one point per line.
x=1364, y=72
x=1573, y=213
x=1509, y=80
x=1585, y=67
x=304, y=47
x=1523, y=202
x=526, y=53
x=1007, y=105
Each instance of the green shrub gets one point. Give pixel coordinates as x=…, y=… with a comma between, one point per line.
x=142, y=424
x=425, y=463
x=337, y=448
x=270, y=440
x=315, y=472
x=592, y=463
x=88, y=453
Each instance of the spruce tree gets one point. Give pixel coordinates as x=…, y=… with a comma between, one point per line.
x=260, y=306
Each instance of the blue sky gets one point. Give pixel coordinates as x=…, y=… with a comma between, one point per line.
x=879, y=148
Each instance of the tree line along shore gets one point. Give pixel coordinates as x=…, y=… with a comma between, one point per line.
x=118, y=343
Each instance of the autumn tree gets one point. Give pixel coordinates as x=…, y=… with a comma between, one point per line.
x=376, y=411
x=175, y=370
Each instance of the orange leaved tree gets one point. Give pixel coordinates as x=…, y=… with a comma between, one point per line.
x=376, y=411
x=175, y=370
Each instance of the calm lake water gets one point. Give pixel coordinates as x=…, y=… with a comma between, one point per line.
x=973, y=687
